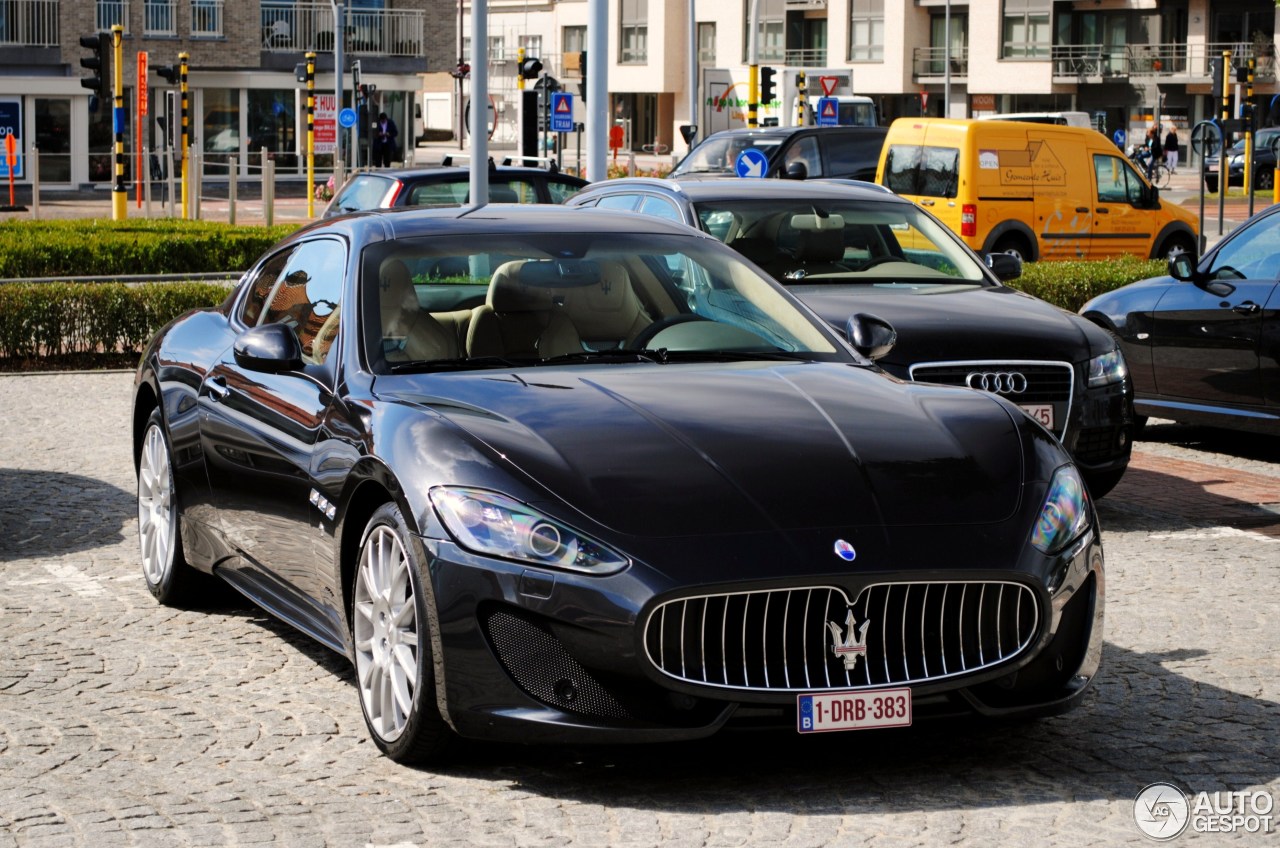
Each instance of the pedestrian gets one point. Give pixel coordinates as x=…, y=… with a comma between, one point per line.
x=1155, y=150
x=384, y=141
x=1171, y=150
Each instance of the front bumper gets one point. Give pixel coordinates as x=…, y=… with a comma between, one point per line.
x=531, y=656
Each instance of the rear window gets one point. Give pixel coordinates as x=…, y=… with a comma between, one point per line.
x=458, y=192
x=921, y=170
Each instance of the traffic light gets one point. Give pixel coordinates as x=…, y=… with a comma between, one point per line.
x=97, y=62
x=766, y=85
x=530, y=68
x=1215, y=89
x=582, y=66
x=169, y=73
x=1248, y=116
x=1242, y=73
x=355, y=75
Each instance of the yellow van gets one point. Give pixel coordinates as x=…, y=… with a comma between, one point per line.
x=1036, y=190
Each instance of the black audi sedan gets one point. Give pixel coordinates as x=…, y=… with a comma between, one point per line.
x=845, y=247
x=1203, y=344
x=449, y=185
x=550, y=477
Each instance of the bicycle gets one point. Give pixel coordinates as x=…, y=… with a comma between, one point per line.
x=1160, y=175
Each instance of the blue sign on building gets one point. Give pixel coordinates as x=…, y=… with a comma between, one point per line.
x=561, y=112
x=11, y=124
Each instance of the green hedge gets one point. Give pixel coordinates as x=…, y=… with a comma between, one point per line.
x=157, y=246
x=55, y=319
x=1071, y=284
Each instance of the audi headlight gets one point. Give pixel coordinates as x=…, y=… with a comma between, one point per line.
x=489, y=523
x=1065, y=512
x=1107, y=369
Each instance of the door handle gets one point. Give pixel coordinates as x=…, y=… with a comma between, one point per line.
x=218, y=388
x=1082, y=208
x=926, y=203
x=1102, y=210
x=1248, y=307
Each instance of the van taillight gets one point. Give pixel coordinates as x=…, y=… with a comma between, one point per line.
x=969, y=219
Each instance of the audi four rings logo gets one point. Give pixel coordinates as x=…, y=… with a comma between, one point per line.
x=1000, y=382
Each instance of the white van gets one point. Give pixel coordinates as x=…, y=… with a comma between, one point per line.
x=1062, y=119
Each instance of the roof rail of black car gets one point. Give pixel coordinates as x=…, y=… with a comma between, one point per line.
x=547, y=162
x=447, y=161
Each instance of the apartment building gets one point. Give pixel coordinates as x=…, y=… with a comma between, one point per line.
x=1122, y=61
x=244, y=97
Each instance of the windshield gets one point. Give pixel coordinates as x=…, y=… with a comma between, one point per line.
x=719, y=154
x=477, y=301
x=873, y=243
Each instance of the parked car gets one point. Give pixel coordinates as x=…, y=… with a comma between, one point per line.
x=846, y=247
x=1203, y=344
x=449, y=185
x=791, y=152
x=1264, y=162
x=638, y=494
x=1037, y=190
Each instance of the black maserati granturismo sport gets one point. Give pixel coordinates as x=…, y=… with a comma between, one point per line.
x=547, y=476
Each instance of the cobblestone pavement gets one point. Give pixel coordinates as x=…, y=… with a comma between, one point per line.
x=126, y=723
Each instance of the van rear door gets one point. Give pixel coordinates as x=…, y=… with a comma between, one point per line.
x=922, y=163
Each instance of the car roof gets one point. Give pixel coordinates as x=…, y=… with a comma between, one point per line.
x=496, y=218
x=733, y=188
x=784, y=132
x=464, y=173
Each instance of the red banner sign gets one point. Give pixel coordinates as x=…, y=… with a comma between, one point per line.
x=142, y=82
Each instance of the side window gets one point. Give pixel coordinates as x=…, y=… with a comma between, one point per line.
x=307, y=296
x=512, y=191
x=438, y=194
x=659, y=207
x=261, y=287
x=560, y=192
x=804, y=151
x=901, y=168
x=1116, y=182
x=854, y=154
x=625, y=202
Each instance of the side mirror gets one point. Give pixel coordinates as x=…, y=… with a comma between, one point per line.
x=871, y=336
x=797, y=171
x=1005, y=266
x=271, y=348
x=1182, y=266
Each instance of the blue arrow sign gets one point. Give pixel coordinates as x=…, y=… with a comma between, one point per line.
x=347, y=117
x=561, y=112
x=828, y=112
x=752, y=163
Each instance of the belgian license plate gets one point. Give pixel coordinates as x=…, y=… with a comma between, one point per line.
x=825, y=711
x=1042, y=412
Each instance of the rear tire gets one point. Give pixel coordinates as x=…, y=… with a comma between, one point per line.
x=395, y=673
x=1014, y=244
x=1266, y=179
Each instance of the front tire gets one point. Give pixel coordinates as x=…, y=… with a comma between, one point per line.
x=394, y=670
x=1015, y=245
x=169, y=578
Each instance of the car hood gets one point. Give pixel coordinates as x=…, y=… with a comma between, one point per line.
x=679, y=450
x=962, y=323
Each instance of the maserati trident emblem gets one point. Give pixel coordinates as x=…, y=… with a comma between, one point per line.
x=845, y=645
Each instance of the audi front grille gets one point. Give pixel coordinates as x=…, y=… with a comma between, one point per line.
x=1045, y=382
x=785, y=640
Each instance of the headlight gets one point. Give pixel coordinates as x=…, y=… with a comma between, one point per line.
x=489, y=523
x=1107, y=369
x=1065, y=512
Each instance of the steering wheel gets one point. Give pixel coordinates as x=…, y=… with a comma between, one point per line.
x=879, y=260
x=642, y=341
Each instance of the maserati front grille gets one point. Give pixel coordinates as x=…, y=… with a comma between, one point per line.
x=813, y=638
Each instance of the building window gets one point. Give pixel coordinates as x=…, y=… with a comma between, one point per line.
x=110, y=13
x=771, y=44
x=159, y=17
x=634, y=35
x=532, y=45
x=497, y=49
x=206, y=18
x=866, y=31
x=706, y=43
x=573, y=39
x=1027, y=34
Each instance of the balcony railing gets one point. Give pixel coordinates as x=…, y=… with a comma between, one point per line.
x=206, y=18
x=29, y=23
x=112, y=12
x=807, y=57
x=289, y=27
x=1187, y=63
x=929, y=62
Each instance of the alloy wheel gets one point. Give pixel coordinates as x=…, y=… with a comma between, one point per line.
x=156, y=525
x=386, y=633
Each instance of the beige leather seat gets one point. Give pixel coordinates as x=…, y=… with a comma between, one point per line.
x=409, y=334
x=521, y=319
x=607, y=313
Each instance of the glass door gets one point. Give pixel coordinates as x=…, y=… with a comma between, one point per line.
x=53, y=138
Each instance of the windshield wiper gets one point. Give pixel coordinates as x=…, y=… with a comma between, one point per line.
x=607, y=356
x=460, y=364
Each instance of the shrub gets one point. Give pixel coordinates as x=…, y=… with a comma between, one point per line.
x=1070, y=284
x=157, y=246
x=41, y=320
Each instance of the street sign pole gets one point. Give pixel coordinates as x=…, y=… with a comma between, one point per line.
x=119, y=190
